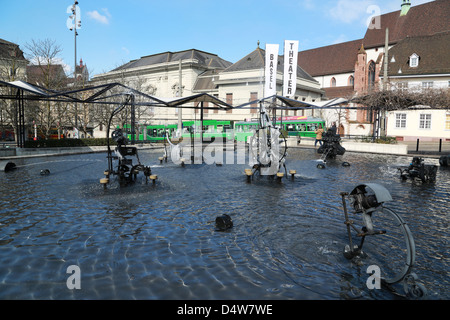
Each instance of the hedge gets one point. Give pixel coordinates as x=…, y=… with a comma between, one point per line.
x=68, y=143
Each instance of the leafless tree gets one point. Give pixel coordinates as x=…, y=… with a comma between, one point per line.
x=389, y=100
x=12, y=68
x=143, y=114
x=45, y=72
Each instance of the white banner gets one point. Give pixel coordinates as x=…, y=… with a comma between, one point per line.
x=290, y=68
x=271, y=70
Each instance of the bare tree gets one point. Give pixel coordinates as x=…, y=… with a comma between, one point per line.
x=143, y=114
x=389, y=100
x=12, y=68
x=45, y=72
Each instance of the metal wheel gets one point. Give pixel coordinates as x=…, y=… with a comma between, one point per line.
x=393, y=251
x=268, y=149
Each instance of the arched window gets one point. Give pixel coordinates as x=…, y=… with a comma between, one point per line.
x=333, y=82
x=371, y=75
x=351, y=81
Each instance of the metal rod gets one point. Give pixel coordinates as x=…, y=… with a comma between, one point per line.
x=133, y=120
x=347, y=222
x=417, y=146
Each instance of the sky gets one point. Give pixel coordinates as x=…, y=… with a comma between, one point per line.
x=114, y=32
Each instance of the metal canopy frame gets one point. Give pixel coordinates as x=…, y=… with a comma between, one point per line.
x=283, y=103
x=100, y=94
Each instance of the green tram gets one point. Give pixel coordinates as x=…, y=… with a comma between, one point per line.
x=155, y=133
x=295, y=126
x=211, y=129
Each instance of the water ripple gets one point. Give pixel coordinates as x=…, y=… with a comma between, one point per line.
x=160, y=242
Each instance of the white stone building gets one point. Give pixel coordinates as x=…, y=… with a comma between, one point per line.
x=420, y=64
x=202, y=72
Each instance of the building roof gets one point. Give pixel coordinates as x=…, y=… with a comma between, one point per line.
x=56, y=76
x=205, y=81
x=212, y=61
x=337, y=92
x=333, y=59
x=432, y=51
x=426, y=19
x=256, y=60
x=9, y=50
x=422, y=20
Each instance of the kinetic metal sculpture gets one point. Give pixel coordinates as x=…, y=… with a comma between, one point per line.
x=418, y=170
x=267, y=147
x=125, y=169
x=331, y=147
x=392, y=244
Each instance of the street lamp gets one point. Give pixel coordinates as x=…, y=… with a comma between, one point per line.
x=73, y=23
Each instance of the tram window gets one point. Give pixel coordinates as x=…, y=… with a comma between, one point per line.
x=302, y=127
x=219, y=129
x=290, y=127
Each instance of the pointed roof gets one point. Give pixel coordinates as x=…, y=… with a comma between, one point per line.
x=362, y=50
x=256, y=60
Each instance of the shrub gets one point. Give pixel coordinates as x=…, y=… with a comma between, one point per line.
x=68, y=143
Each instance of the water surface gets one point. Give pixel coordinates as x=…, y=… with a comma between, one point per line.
x=159, y=241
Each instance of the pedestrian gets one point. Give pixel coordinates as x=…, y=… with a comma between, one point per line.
x=318, y=132
x=333, y=128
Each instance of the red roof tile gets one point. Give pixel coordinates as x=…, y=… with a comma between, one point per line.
x=421, y=20
x=338, y=58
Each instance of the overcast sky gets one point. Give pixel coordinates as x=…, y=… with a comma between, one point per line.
x=114, y=32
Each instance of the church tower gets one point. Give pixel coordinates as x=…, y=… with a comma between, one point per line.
x=360, y=79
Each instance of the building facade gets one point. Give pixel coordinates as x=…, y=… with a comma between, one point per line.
x=202, y=72
x=420, y=64
x=355, y=68
x=13, y=67
x=243, y=82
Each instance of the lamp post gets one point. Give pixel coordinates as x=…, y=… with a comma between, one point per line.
x=73, y=23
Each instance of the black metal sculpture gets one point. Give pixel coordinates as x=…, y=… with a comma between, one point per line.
x=418, y=170
x=126, y=169
x=331, y=147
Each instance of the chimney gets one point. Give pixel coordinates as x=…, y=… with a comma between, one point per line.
x=406, y=5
